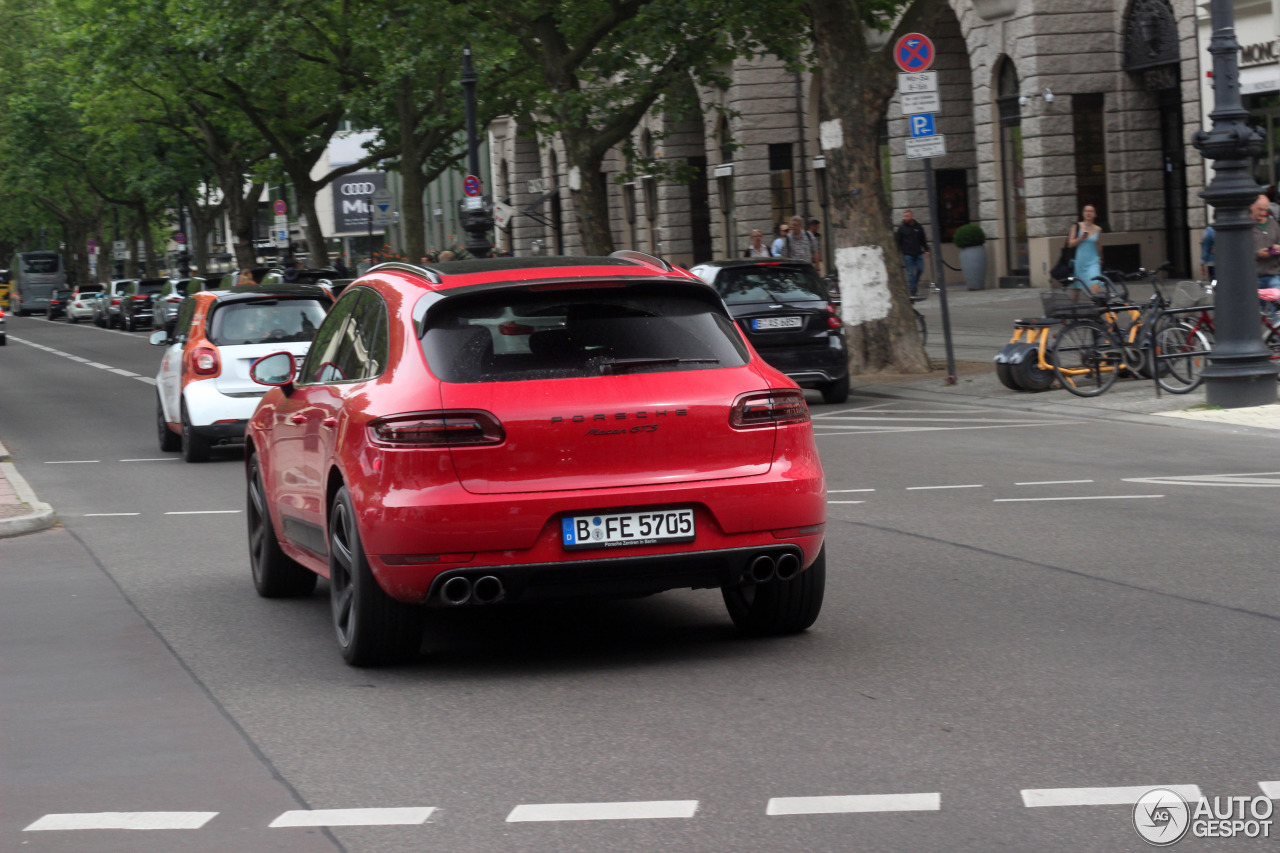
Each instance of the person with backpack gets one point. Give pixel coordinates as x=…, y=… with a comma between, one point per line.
x=800, y=245
x=909, y=235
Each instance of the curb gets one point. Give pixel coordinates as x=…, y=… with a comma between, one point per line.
x=41, y=516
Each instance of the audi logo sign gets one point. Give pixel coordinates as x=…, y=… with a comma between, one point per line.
x=359, y=188
x=351, y=201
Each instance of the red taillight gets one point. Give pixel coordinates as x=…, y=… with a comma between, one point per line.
x=173, y=298
x=204, y=361
x=834, y=322
x=438, y=429
x=511, y=327
x=138, y=297
x=115, y=301
x=769, y=408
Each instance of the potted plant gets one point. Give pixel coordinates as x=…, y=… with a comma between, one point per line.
x=970, y=240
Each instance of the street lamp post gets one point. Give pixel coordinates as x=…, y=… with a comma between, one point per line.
x=1240, y=371
x=475, y=215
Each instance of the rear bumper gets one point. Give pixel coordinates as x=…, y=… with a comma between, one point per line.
x=206, y=405
x=810, y=366
x=231, y=433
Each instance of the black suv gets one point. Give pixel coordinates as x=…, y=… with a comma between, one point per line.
x=137, y=304
x=788, y=314
x=57, y=306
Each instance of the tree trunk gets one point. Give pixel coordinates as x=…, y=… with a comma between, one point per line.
x=317, y=248
x=242, y=205
x=150, y=267
x=412, y=154
x=856, y=88
x=201, y=224
x=590, y=202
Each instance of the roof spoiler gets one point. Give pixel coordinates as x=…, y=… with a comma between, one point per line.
x=644, y=259
x=399, y=266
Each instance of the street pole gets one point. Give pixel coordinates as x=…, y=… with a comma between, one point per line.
x=369, y=210
x=476, y=222
x=940, y=270
x=1240, y=371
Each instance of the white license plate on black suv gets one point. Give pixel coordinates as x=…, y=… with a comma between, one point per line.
x=761, y=323
x=627, y=528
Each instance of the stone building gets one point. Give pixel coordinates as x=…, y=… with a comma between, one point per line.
x=1046, y=106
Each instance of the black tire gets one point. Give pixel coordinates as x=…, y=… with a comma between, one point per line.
x=778, y=607
x=73, y=320
x=836, y=392
x=372, y=628
x=169, y=440
x=99, y=321
x=1004, y=372
x=129, y=325
x=48, y=315
x=195, y=448
x=1086, y=360
x=3, y=340
x=1183, y=373
x=1030, y=375
x=275, y=575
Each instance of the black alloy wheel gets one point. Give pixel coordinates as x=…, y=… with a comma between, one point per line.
x=275, y=574
x=372, y=628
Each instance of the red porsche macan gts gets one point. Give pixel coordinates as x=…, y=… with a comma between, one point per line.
x=520, y=429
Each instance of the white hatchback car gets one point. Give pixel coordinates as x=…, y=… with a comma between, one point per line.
x=204, y=395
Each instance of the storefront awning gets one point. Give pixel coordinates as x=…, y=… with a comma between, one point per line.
x=1260, y=78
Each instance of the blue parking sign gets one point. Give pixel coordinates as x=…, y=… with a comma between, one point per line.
x=921, y=125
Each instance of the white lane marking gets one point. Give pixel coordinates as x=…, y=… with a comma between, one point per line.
x=603, y=811
x=205, y=512
x=156, y=459
x=855, y=804
x=79, y=359
x=123, y=820
x=862, y=431
x=929, y=488
x=353, y=817
x=1260, y=480
x=107, y=514
x=1037, y=797
x=1271, y=790
x=146, y=379
x=846, y=502
x=1052, y=482
x=99, y=365
x=117, y=370
x=120, y=371
x=1077, y=498
x=854, y=409
x=932, y=420
x=71, y=461
x=847, y=491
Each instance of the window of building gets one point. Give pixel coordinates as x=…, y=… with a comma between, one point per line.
x=953, y=200
x=781, y=182
x=1089, y=123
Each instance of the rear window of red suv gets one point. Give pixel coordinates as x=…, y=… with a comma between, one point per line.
x=514, y=335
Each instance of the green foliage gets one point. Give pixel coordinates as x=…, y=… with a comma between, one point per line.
x=970, y=235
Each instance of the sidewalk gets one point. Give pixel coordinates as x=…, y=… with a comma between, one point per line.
x=982, y=323
x=20, y=510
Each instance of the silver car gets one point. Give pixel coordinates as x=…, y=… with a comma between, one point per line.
x=106, y=307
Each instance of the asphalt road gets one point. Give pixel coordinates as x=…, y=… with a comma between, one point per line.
x=1016, y=602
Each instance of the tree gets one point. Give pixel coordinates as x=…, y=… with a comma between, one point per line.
x=858, y=83
x=603, y=64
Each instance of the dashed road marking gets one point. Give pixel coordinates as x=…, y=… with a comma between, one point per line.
x=108, y=514
x=854, y=804
x=1037, y=797
x=122, y=820
x=1262, y=480
x=1076, y=498
x=846, y=502
x=205, y=512
x=847, y=491
x=153, y=459
x=604, y=811
x=929, y=488
x=120, y=371
x=1270, y=789
x=354, y=817
x=1052, y=482
x=72, y=461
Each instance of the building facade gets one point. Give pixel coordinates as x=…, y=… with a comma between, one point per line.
x=1045, y=107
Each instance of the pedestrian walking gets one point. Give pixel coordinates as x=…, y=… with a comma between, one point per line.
x=1085, y=237
x=800, y=245
x=1206, y=254
x=756, y=248
x=1266, y=244
x=340, y=267
x=815, y=231
x=776, y=248
x=914, y=246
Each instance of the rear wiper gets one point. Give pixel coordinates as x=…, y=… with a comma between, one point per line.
x=611, y=365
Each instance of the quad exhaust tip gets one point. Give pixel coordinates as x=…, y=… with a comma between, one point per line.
x=487, y=590
x=788, y=567
x=456, y=591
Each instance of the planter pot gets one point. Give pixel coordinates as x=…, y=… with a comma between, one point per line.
x=973, y=261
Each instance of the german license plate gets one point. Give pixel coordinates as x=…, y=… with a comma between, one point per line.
x=627, y=528
x=777, y=323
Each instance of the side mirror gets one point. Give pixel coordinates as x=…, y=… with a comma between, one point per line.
x=275, y=370
x=158, y=338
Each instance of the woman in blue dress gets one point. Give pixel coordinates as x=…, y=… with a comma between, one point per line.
x=1084, y=238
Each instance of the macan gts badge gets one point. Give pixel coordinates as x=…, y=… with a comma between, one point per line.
x=525, y=429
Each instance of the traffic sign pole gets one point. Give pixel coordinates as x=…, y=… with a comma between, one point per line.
x=940, y=270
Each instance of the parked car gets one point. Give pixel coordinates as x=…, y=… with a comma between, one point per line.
x=59, y=298
x=106, y=306
x=80, y=306
x=789, y=315
x=166, y=303
x=137, y=304
x=625, y=441
x=204, y=393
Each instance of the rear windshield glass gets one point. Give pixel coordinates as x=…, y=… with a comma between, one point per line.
x=770, y=284
x=267, y=321
x=151, y=287
x=90, y=289
x=521, y=335
x=40, y=263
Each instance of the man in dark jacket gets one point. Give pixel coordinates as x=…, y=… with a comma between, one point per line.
x=912, y=244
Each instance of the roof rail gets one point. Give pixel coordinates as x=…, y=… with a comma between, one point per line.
x=426, y=272
x=643, y=258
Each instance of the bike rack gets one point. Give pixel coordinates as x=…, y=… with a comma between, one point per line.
x=1155, y=324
